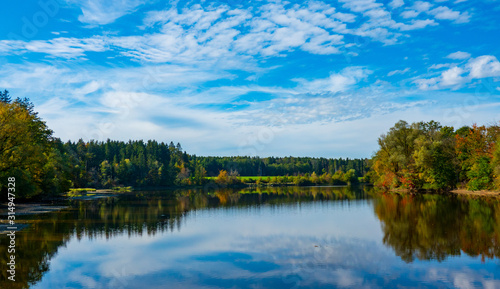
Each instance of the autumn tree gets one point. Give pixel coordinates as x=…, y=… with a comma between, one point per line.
x=475, y=152
x=426, y=155
x=394, y=163
x=26, y=147
x=496, y=164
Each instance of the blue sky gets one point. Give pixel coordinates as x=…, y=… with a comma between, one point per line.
x=305, y=78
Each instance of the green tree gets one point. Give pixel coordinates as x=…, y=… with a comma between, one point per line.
x=394, y=162
x=480, y=175
x=475, y=152
x=496, y=165
x=106, y=174
x=350, y=177
x=435, y=158
x=5, y=97
x=24, y=146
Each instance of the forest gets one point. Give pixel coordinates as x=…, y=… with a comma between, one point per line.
x=429, y=156
x=44, y=165
x=417, y=156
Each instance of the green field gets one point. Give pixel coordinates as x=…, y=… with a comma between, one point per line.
x=82, y=189
x=247, y=178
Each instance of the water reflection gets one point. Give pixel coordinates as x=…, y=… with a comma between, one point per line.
x=435, y=227
x=271, y=237
x=134, y=215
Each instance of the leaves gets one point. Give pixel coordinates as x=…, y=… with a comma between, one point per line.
x=426, y=155
x=25, y=146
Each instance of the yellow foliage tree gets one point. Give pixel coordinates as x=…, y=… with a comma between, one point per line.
x=24, y=146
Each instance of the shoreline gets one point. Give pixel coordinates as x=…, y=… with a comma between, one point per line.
x=482, y=193
x=454, y=192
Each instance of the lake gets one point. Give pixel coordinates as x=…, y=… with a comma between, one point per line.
x=287, y=237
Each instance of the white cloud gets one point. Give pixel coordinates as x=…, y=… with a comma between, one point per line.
x=337, y=82
x=11, y=46
x=360, y=5
x=232, y=37
x=66, y=47
x=396, y=3
x=459, y=55
x=416, y=9
x=418, y=24
x=380, y=25
x=314, y=29
x=445, y=13
x=103, y=12
x=452, y=76
x=457, y=76
x=427, y=83
x=439, y=13
x=422, y=6
x=394, y=72
x=439, y=66
x=409, y=14
x=79, y=83
x=88, y=88
x=484, y=66
x=211, y=34
x=58, y=47
x=32, y=78
x=318, y=103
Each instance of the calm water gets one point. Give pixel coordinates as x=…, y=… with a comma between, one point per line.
x=322, y=237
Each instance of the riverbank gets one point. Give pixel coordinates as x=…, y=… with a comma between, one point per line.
x=457, y=192
x=482, y=193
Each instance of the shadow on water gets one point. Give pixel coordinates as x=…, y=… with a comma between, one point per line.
x=434, y=227
x=136, y=213
x=426, y=227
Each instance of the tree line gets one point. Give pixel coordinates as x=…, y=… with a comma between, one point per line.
x=43, y=164
x=423, y=155
x=282, y=166
x=427, y=155
x=338, y=178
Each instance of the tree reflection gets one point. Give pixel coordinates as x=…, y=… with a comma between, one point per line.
x=433, y=227
x=136, y=214
x=427, y=227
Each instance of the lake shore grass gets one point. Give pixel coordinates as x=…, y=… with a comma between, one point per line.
x=458, y=192
x=482, y=193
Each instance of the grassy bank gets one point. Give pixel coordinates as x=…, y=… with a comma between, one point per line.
x=482, y=193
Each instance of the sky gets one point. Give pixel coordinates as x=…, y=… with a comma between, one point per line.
x=255, y=78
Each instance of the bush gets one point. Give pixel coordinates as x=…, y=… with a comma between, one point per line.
x=302, y=181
